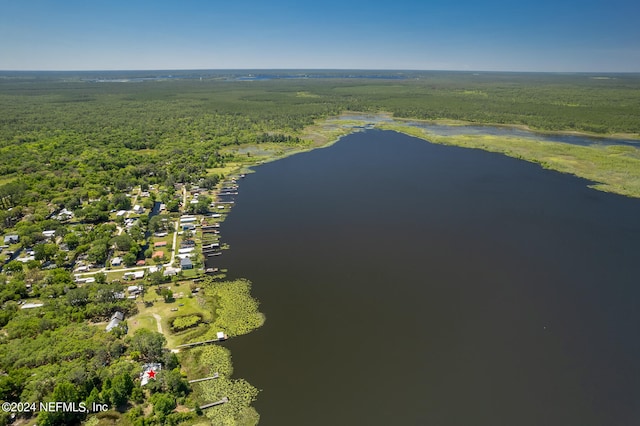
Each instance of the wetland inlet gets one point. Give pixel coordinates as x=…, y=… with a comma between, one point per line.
x=411, y=283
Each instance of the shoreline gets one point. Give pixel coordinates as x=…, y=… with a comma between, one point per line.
x=524, y=127
x=331, y=130
x=614, y=168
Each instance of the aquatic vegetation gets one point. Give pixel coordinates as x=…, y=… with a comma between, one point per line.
x=614, y=168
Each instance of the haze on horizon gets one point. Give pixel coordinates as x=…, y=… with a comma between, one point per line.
x=494, y=35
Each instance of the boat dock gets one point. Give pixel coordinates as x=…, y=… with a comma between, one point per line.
x=204, y=342
x=215, y=376
x=213, y=404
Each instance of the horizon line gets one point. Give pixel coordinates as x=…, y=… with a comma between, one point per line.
x=390, y=70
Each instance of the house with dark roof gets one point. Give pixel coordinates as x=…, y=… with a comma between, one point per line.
x=186, y=263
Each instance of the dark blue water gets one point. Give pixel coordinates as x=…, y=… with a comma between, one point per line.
x=417, y=284
x=444, y=130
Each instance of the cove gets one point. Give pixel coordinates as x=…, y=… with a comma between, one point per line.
x=411, y=283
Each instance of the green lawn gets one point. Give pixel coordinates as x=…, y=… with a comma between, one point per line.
x=156, y=305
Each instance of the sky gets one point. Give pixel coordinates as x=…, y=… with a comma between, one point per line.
x=491, y=35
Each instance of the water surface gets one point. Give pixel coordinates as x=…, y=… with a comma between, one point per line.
x=411, y=283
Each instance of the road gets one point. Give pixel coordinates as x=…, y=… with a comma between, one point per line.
x=159, y=322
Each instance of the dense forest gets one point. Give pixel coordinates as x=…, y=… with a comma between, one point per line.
x=73, y=146
x=66, y=136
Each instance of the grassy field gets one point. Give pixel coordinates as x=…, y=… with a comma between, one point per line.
x=153, y=303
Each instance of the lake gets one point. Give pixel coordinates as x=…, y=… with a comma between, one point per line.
x=410, y=283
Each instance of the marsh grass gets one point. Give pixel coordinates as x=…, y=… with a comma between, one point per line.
x=614, y=169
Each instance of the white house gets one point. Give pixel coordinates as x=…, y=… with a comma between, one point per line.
x=116, y=319
x=11, y=239
x=49, y=234
x=136, y=275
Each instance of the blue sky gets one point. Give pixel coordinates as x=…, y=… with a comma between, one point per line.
x=501, y=35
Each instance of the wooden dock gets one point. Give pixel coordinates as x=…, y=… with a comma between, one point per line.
x=215, y=376
x=213, y=404
x=204, y=342
x=216, y=225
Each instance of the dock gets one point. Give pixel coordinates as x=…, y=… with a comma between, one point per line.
x=213, y=404
x=204, y=342
x=215, y=376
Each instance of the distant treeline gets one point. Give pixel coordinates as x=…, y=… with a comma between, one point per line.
x=67, y=139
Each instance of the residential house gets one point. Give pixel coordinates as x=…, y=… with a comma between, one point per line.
x=49, y=233
x=11, y=239
x=186, y=263
x=116, y=319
